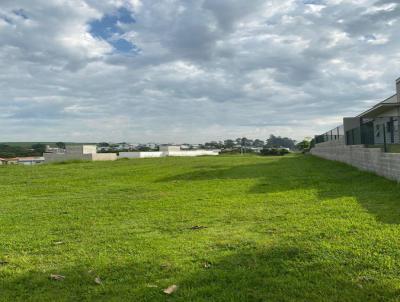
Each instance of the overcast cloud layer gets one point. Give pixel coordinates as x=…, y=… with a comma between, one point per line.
x=190, y=71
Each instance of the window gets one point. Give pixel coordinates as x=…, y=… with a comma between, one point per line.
x=389, y=126
x=377, y=130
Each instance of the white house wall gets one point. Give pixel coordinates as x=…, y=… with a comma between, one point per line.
x=104, y=156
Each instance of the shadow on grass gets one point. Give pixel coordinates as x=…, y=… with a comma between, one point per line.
x=282, y=273
x=331, y=180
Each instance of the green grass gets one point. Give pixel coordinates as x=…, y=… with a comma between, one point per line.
x=296, y=228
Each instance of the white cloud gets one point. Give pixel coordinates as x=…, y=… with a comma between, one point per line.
x=203, y=69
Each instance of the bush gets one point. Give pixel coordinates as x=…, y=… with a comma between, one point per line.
x=274, y=152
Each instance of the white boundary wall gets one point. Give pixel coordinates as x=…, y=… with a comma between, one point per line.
x=368, y=159
x=104, y=156
x=193, y=153
x=139, y=154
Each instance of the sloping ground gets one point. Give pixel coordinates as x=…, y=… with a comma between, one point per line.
x=275, y=229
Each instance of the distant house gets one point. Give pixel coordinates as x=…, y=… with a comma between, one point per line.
x=8, y=161
x=50, y=149
x=170, y=148
x=29, y=161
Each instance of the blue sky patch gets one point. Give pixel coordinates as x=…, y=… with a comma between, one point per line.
x=314, y=2
x=107, y=29
x=21, y=13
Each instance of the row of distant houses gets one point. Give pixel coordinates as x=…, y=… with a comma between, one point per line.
x=89, y=153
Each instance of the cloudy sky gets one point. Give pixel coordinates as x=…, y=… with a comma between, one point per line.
x=191, y=70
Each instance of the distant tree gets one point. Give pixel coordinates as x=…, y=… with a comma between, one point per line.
x=277, y=141
x=258, y=143
x=244, y=142
x=8, y=151
x=39, y=148
x=304, y=145
x=60, y=145
x=213, y=145
x=229, y=143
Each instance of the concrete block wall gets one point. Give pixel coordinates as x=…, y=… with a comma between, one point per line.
x=57, y=157
x=368, y=159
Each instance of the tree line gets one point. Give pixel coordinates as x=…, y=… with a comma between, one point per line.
x=22, y=150
x=245, y=143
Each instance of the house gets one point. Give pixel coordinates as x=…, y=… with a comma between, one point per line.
x=50, y=149
x=378, y=125
x=29, y=161
x=8, y=161
x=170, y=148
x=369, y=141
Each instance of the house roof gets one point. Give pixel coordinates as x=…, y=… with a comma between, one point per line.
x=381, y=107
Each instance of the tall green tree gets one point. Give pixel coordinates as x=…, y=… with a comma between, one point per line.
x=278, y=141
x=60, y=145
x=39, y=148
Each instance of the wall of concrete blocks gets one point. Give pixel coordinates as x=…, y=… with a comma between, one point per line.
x=368, y=159
x=57, y=157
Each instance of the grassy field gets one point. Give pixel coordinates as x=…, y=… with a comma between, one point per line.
x=229, y=228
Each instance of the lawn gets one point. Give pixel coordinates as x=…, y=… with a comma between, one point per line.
x=234, y=228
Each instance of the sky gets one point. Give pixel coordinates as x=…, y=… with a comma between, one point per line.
x=191, y=71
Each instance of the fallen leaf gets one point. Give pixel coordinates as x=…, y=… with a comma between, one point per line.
x=198, y=227
x=97, y=280
x=58, y=242
x=207, y=265
x=57, y=277
x=170, y=289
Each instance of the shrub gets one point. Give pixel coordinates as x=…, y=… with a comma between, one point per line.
x=274, y=152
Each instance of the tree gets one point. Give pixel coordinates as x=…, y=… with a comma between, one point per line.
x=60, y=145
x=304, y=145
x=258, y=143
x=214, y=145
x=229, y=143
x=244, y=142
x=277, y=142
x=39, y=148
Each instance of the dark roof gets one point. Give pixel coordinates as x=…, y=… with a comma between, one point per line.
x=380, y=107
